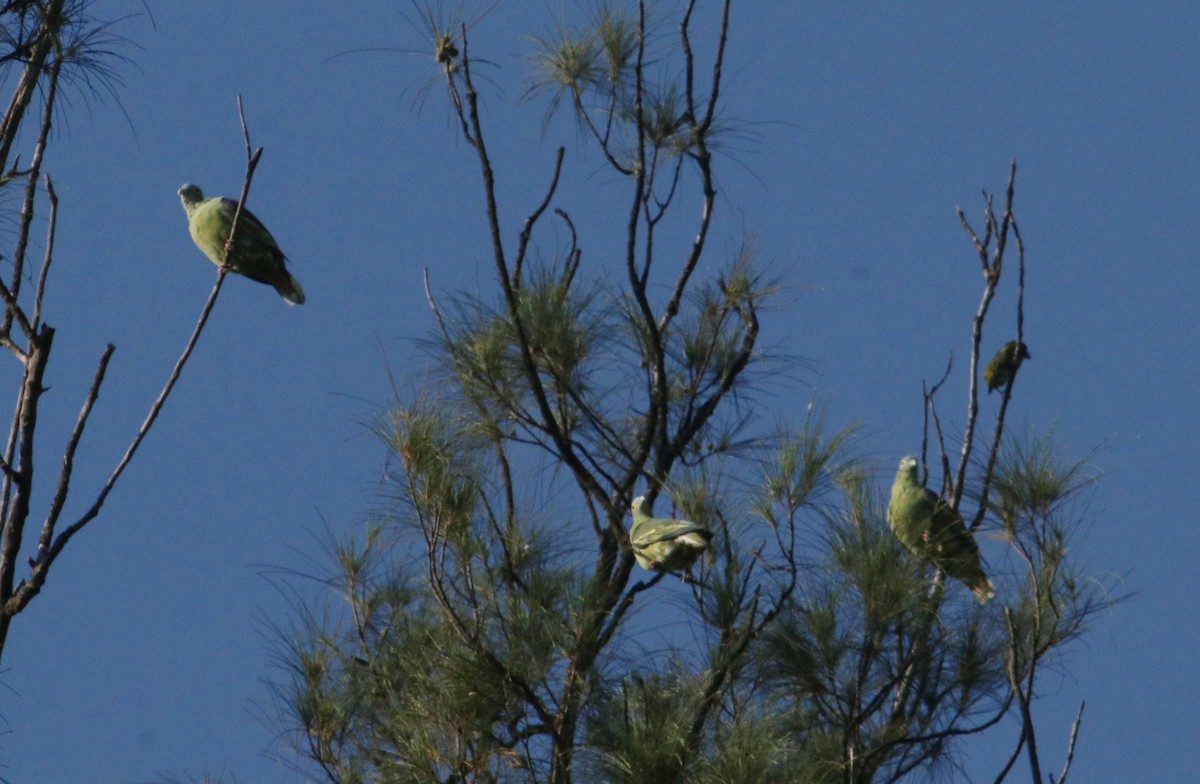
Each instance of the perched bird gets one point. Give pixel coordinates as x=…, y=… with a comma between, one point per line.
x=662, y=545
x=934, y=531
x=1004, y=364
x=254, y=254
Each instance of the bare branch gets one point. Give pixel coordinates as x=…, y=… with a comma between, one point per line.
x=991, y=274
x=1062, y=777
x=710, y=111
x=64, y=474
x=583, y=476
x=24, y=430
x=28, y=200
x=700, y=152
x=251, y=165
x=932, y=414
x=1022, y=695
x=527, y=230
x=573, y=253
x=653, y=430
x=1006, y=396
x=40, y=289
x=35, y=65
x=47, y=554
x=46, y=558
x=602, y=138
x=14, y=310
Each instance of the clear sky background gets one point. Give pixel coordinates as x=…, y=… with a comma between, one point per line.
x=866, y=125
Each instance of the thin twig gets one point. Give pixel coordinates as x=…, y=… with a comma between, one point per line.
x=656, y=384
x=947, y=490
x=251, y=165
x=30, y=196
x=245, y=131
x=574, y=253
x=602, y=139
x=991, y=272
x=47, y=556
x=1006, y=395
x=1062, y=777
x=35, y=66
x=531, y=221
x=25, y=427
x=562, y=442
x=1014, y=682
x=699, y=128
x=930, y=411
x=1012, y=760
x=40, y=289
x=64, y=474
x=15, y=310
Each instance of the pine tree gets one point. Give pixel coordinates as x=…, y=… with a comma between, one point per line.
x=492, y=626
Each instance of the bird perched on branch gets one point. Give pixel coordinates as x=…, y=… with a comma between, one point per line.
x=665, y=545
x=1003, y=366
x=934, y=531
x=254, y=254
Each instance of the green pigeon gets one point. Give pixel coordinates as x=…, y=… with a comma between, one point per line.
x=934, y=531
x=662, y=545
x=1004, y=364
x=254, y=254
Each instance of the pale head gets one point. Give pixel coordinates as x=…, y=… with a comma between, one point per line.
x=639, y=506
x=908, y=465
x=191, y=194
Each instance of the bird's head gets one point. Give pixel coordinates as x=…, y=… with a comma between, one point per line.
x=1023, y=352
x=640, y=506
x=908, y=463
x=191, y=194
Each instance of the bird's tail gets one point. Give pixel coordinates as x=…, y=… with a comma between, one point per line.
x=289, y=288
x=982, y=588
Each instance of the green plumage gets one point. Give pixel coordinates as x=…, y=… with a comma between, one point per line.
x=935, y=532
x=663, y=545
x=1003, y=366
x=254, y=254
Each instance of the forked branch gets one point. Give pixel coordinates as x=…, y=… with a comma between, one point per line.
x=51, y=544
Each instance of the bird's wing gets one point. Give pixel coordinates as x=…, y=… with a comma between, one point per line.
x=250, y=229
x=654, y=531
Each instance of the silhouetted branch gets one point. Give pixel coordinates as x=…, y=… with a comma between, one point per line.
x=40, y=289
x=48, y=549
x=1022, y=692
x=992, y=268
x=531, y=221
x=1062, y=777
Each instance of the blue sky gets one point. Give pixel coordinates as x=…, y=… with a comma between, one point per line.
x=866, y=125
